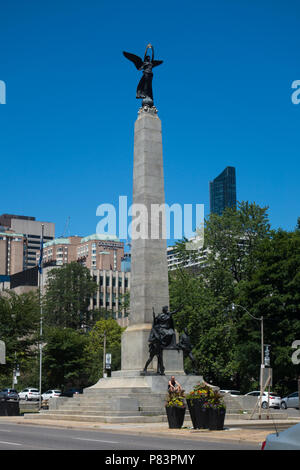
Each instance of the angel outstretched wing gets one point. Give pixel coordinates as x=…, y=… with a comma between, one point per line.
x=156, y=62
x=138, y=62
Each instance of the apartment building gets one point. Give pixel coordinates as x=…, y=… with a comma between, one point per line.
x=94, y=252
x=59, y=251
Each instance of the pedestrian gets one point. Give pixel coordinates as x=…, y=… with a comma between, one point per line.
x=173, y=385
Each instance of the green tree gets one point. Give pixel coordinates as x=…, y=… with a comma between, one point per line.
x=229, y=256
x=274, y=293
x=231, y=241
x=210, y=327
x=94, y=349
x=67, y=297
x=19, y=327
x=64, y=360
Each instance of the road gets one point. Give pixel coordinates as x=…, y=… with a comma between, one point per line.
x=36, y=437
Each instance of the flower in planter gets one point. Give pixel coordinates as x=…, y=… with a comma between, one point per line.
x=201, y=391
x=175, y=399
x=218, y=406
x=207, y=405
x=217, y=401
x=175, y=409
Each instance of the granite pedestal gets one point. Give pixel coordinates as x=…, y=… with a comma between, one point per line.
x=149, y=280
x=128, y=394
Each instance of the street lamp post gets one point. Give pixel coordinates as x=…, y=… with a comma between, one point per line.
x=104, y=354
x=41, y=281
x=261, y=319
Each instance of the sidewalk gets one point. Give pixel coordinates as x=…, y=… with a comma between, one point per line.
x=254, y=431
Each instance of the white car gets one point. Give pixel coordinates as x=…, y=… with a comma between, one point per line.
x=274, y=400
x=51, y=394
x=29, y=394
x=233, y=393
x=285, y=440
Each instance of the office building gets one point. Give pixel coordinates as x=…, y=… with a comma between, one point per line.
x=59, y=251
x=30, y=229
x=11, y=252
x=112, y=287
x=222, y=191
x=195, y=262
x=99, y=251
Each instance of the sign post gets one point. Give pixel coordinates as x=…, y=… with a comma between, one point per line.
x=107, y=361
x=2, y=353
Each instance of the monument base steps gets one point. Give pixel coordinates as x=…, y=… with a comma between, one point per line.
x=118, y=399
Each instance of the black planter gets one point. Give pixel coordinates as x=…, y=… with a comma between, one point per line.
x=216, y=418
x=191, y=407
x=199, y=415
x=9, y=408
x=202, y=416
x=175, y=416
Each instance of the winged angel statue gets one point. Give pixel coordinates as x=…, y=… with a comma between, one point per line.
x=144, y=89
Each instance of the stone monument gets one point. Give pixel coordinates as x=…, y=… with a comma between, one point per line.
x=137, y=391
x=149, y=290
x=149, y=269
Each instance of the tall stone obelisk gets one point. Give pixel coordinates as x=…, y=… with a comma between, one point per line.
x=149, y=270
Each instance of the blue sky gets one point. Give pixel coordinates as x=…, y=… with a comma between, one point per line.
x=223, y=94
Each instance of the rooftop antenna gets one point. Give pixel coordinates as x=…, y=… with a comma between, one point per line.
x=66, y=227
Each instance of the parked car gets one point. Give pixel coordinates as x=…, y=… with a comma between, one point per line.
x=291, y=401
x=274, y=400
x=289, y=439
x=51, y=394
x=233, y=393
x=71, y=391
x=9, y=394
x=29, y=394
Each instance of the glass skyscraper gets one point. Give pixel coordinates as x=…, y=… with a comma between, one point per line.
x=222, y=191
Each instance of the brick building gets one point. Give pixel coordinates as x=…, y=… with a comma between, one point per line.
x=30, y=230
x=94, y=251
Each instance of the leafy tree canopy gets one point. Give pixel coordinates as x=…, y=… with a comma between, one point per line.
x=67, y=296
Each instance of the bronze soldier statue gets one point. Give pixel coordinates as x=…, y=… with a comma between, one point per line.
x=186, y=346
x=166, y=328
x=162, y=336
x=155, y=348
